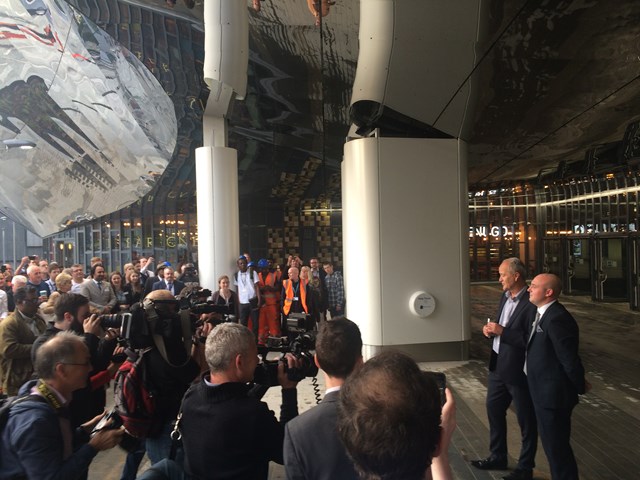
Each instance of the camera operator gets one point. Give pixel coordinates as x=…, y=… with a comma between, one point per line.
x=38, y=440
x=72, y=313
x=225, y=431
x=312, y=449
x=168, y=378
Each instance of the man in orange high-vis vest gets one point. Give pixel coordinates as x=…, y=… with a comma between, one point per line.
x=294, y=294
x=269, y=320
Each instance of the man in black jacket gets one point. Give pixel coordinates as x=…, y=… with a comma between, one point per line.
x=555, y=374
x=312, y=449
x=507, y=381
x=227, y=433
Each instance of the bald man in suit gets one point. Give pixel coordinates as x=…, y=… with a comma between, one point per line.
x=555, y=374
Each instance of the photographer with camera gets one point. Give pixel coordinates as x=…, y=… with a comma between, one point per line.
x=225, y=431
x=38, y=440
x=392, y=421
x=169, y=368
x=72, y=313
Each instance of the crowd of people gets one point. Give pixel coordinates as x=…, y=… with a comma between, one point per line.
x=58, y=358
x=383, y=418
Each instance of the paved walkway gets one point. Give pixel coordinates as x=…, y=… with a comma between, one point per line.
x=606, y=423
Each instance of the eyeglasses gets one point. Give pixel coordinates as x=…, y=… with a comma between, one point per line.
x=85, y=364
x=30, y=300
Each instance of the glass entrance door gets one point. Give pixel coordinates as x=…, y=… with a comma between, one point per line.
x=634, y=274
x=579, y=266
x=610, y=269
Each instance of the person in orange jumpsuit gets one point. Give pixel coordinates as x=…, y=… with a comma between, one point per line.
x=269, y=320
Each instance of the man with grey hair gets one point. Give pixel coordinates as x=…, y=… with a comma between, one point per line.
x=35, y=278
x=219, y=414
x=37, y=441
x=507, y=381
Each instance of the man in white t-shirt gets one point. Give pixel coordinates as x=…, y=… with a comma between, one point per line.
x=77, y=277
x=246, y=282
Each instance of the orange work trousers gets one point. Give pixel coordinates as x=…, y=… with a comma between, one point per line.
x=269, y=323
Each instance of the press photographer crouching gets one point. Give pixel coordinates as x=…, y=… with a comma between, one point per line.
x=38, y=440
x=226, y=432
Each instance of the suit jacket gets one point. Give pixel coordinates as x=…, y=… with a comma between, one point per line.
x=554, y=369
x=162, y=285
x=312, y=449
x=513, y=341
x=16, y=339
x=98, y=297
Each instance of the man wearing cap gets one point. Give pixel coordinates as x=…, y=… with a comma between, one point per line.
x=152, y=280
x=247, y=282
x=169, y=282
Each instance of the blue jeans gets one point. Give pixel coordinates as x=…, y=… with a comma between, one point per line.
x=132, y=463
x=164, y=470
x=159, y=448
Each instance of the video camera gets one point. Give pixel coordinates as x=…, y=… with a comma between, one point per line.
x=195, y=300
x=300, y=341
x=164, y=317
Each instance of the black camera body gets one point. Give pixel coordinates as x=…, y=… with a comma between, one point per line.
x=300, y=342
x=114, y=320
x=112, y=421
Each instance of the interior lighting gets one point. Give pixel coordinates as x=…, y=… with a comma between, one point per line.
x=17, y=143
x=592, y=196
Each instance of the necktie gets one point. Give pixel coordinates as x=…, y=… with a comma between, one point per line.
x=533, y=326
x=170, y=287
x=100, y=286
x=533, y=330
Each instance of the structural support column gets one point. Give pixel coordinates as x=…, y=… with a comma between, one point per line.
x=218, y=222
x=405, y=234
x=225, y=72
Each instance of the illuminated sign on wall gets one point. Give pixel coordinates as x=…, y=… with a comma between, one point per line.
x=495, y=232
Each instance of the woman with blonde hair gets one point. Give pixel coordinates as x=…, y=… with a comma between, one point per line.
x=63, y=283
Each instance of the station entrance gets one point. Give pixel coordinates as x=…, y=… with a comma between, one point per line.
x=604, y=266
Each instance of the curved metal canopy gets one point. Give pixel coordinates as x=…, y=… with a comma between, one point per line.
x=111, y=92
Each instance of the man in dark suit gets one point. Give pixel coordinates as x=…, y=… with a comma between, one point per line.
x=555, y=374
x=312, y=449
x=507, y=381
x=169, y=282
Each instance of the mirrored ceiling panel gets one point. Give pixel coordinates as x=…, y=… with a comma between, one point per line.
x=104, y=129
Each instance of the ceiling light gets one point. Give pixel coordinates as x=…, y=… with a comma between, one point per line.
x=16, y=143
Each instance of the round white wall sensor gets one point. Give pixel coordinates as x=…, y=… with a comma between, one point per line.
x=422, y=304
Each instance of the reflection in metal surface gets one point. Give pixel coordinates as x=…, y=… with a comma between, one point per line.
x=103, y=125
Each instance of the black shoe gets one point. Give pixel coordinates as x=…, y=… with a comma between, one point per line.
x=490, y=463
x=518, y=474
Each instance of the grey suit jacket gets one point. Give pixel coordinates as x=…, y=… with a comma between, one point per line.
x=98, y=298
x=312, y=449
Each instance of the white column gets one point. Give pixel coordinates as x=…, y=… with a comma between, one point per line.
x=404, y=214
x=225, y=72
x=218, y=222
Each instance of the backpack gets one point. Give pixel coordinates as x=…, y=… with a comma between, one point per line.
x=134, y=398
x=8, y=402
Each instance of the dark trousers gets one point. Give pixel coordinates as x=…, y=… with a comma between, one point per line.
x=250, y=310
x=555, y=432
x=499, y=397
